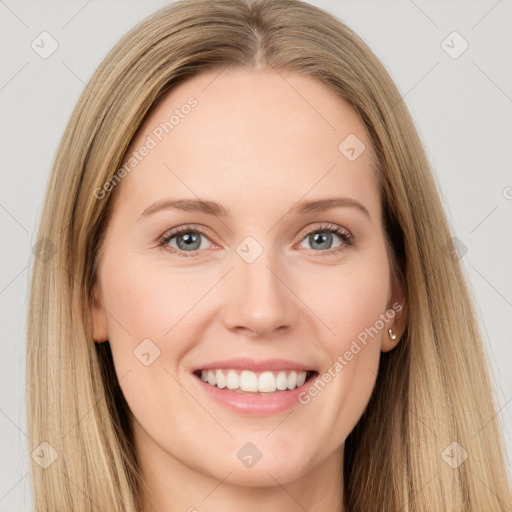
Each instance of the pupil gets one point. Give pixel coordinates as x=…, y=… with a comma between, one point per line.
x=323, y=239
x=187, y=241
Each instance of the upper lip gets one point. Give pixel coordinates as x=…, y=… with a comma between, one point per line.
x=246, y=363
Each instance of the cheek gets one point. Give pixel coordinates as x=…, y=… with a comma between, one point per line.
x=353, y=308
x=149, y=299
x=147, y=302
x=351, y=303
x=149, y=312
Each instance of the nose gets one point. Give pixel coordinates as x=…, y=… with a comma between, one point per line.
x=259, y=299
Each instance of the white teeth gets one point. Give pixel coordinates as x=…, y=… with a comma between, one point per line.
x=292, y=380
x=301, y=378
x=221, y=379
x=248, y=381
x=232, y=380
x=266, y=382
x=281, y=381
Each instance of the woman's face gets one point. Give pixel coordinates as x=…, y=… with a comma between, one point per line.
x=266, y=278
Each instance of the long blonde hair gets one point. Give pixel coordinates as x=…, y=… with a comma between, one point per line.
x=434, y=389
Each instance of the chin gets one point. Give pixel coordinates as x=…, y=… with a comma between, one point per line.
x=262, y=475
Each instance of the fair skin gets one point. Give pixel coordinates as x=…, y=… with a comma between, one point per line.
x=257, y=146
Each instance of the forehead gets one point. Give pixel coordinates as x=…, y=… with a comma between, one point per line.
x=250, y=134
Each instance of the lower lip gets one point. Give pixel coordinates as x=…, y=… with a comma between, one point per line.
x=256, y=404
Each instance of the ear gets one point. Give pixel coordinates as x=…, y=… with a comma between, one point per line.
x=398, y=321
x=99, y=317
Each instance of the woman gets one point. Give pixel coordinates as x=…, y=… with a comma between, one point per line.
x=190, y=345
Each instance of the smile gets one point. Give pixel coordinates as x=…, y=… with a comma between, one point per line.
x=254, y=387
x=247, y=381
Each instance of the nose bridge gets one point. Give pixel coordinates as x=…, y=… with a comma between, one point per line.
x=259, y=301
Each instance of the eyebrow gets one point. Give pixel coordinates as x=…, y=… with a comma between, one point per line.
x=216, y=209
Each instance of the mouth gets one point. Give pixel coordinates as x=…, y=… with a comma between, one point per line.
x=254, y=387
x=255, y=383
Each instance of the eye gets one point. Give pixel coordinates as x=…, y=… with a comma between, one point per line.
x=322, y=237
x=186, y=240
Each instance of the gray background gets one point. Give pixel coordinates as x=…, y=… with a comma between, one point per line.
x=462, y=107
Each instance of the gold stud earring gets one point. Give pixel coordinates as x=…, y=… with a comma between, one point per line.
x=391, y=335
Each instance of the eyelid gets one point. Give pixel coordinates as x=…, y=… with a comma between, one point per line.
x=344, y=234
x=185, y=228
x=324, y=226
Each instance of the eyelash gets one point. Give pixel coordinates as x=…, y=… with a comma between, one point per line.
x=346, y=237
